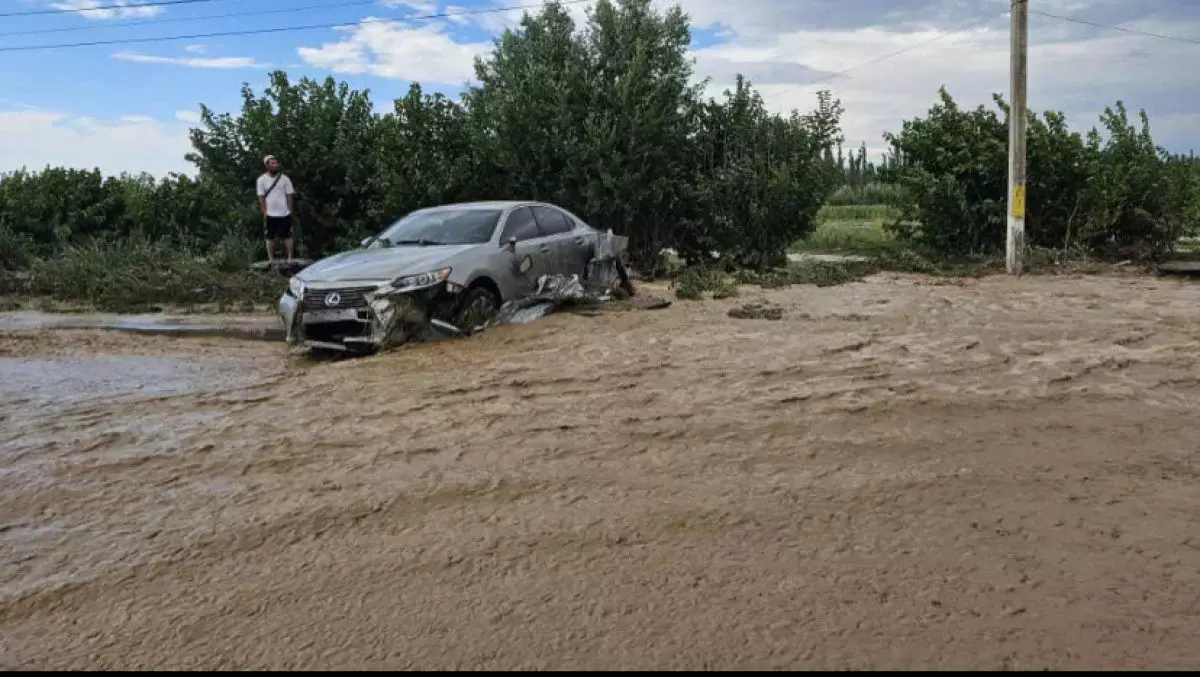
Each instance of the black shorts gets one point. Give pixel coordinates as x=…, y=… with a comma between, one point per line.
x=277, y=227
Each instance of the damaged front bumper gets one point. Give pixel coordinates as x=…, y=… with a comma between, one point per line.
x=373, y=318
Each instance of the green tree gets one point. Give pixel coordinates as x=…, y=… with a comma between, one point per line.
x=1111, y=194
x=324, y=134
x=762, y=178
x=424, y=156
x=635, y=159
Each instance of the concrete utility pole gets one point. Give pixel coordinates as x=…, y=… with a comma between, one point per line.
x=1018, y=71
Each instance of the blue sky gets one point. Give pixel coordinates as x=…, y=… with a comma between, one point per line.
x=126, y=107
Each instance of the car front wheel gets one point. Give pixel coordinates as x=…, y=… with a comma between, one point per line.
x=477, y=308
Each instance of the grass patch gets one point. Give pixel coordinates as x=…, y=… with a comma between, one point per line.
x=137, y=276
x=851, y=229
x=870, y=194
x=817, y=273
x=873, y=213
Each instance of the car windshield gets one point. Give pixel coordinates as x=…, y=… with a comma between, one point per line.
x=440, y=225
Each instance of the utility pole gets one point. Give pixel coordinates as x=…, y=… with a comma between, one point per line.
x=1018, y=72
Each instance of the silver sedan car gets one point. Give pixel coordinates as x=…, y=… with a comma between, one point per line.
x=453, y=263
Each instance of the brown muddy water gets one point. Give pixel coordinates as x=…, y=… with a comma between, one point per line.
x=902, y=473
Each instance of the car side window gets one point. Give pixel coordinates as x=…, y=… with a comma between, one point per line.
x=552, y=221
x=521, y=225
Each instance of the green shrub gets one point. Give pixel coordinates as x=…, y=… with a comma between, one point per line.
x=692, y=282
x=135, y=274
x=1110, y=196
x=16, y=250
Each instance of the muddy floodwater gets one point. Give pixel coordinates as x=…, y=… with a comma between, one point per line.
x=901, y=473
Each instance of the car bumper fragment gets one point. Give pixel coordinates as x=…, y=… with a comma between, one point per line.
x=392, y=317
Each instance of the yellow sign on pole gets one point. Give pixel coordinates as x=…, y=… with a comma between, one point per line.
x=1018, y=203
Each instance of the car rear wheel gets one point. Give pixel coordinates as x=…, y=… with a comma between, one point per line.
x=477, y=307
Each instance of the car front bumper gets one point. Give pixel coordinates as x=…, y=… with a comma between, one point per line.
x=388, y=318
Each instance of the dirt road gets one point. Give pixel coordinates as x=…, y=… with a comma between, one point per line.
x=899, y=474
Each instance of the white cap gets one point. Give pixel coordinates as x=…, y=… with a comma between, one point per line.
x=268, y=159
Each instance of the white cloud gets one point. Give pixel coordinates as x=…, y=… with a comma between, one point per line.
x=194, y=49
x=457, y=16
x=39, y=138
x=784, y=45
x=189, y=116
x=1076, y=72
x=422, y=6
x=124, y=9
x=781, y=45
x=497, y=21
x=393, y=50
x=222, y=62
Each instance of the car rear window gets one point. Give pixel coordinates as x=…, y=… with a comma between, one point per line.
x=520, y=225
x=551, y=221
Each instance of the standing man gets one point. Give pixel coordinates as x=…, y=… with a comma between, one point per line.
x=277, y=200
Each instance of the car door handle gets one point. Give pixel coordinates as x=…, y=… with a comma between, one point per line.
x=579, y=240
x=544, y=248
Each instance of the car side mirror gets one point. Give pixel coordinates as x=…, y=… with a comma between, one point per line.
x=366, y=241
x=511, y=244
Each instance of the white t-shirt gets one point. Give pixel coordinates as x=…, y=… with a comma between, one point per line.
x=277, y=202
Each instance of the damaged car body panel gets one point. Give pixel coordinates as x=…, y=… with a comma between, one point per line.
x=445, y=269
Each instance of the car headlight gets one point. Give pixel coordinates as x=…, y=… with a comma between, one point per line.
x=296, y=286
x=421, y=280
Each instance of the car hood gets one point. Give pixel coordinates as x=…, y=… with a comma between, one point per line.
x=377, y=265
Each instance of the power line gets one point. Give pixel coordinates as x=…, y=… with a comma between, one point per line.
x=204, y=17
x=885, y=57
x=186, y=19
x=280, y=29
x=99, y=8
x=1110, y=27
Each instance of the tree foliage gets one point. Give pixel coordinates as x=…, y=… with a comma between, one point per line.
x=325, y=133
x=603, y=119
x=607, y=120
x=1110, y=191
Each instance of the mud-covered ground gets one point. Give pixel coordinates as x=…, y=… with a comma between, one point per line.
x=902, y=473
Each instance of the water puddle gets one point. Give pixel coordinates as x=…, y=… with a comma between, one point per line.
x=250, y=327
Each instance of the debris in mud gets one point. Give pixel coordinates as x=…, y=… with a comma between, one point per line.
x=607, y=280
x=556, y=292
x=648, y=303
x=756, y=311
x=1179, y=268
x=552, y=292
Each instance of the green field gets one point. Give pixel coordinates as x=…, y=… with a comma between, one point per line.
x=850, y=229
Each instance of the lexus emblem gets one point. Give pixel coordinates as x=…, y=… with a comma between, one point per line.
x=332, y=299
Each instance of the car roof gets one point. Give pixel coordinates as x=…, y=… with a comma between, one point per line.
x=490, y=204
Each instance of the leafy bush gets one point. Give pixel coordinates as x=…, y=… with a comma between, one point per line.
x=814, y=272
x=692, y=282
x=765, y=178
x=606, y=120
x=16, y=249
x=603, y=119
x=135, y=274
x=1108, y=193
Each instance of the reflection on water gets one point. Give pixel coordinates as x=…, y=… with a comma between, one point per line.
x=263, y=327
